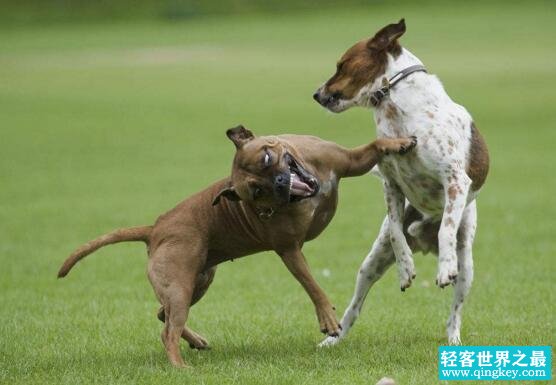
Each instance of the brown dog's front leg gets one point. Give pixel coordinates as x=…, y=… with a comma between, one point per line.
x=297, y=265
x=363, y=158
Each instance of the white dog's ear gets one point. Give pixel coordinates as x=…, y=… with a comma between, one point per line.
x=228, y=193
x=239, y=135
x=387, y=36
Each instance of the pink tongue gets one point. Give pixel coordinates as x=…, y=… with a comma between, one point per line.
x=299, y=187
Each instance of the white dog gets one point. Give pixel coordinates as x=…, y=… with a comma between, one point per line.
x=440, y=179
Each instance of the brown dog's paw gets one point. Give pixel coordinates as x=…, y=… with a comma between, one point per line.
x=195, y=340
x=200, y=345
x=407, y=145
x=396, y=146
x=327, y=320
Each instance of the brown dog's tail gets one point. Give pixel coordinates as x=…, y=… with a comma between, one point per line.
x=121, y=235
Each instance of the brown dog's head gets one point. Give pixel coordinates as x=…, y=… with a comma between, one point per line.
x=266, y=172
x=358, y=68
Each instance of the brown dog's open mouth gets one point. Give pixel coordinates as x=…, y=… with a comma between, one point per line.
x=302, y=183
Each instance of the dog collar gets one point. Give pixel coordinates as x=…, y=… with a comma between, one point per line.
x=377, y=96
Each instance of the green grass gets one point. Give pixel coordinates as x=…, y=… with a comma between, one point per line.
x=109, y=125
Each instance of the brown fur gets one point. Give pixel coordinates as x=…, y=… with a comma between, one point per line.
x=365, y=61
x=186, y=243
x=391, y=111
x=116, y=236
x=478, y=166
x=452, y=192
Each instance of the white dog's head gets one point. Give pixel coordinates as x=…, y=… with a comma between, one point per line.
x=359, y=68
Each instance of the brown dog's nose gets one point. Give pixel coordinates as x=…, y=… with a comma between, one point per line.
x=281, y=180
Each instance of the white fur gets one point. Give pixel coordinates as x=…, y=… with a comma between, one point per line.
x=432, y=178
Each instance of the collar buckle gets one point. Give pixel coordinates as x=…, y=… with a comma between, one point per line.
x=379, y=94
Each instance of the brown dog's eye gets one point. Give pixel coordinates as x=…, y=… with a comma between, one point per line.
x=267, y=159
x=257, y=193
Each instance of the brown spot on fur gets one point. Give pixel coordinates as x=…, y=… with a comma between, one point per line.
x=430, y=114
x=477, y=168
x=452, y=192
x=450, y=222
x=391, y=111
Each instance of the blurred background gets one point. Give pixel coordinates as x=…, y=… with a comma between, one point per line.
x=111, y=112
x=27, y=11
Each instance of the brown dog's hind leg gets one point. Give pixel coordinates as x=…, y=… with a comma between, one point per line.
x=172, y=272
x=195, y=340
x=176, y=309
x=202, y=283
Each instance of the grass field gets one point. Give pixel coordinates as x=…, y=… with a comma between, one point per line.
x=109, y=125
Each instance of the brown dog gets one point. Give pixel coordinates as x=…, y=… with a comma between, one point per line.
x=282, y=192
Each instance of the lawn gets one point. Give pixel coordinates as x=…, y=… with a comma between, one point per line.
x=109, y=125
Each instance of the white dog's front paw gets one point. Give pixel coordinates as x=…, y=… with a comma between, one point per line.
x=329, y=341
x=453, y=339
x=406, y=272
x=447, y=274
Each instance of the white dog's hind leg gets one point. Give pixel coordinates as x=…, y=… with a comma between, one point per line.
x=456, y=188
x=379, y=259
x=466, y=235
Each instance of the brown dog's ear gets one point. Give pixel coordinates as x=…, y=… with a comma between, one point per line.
x=387, y=36
x=228, y=193
x=239, y=135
